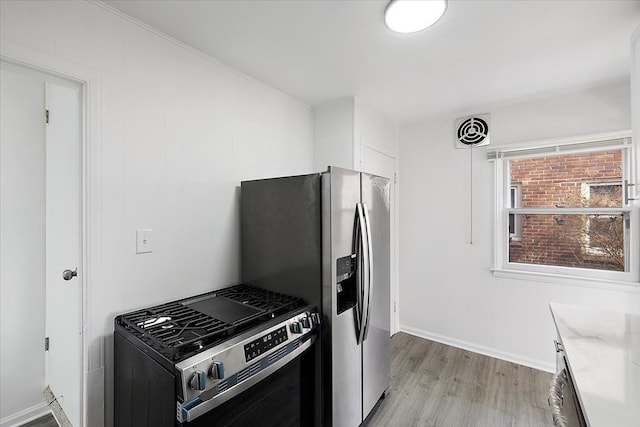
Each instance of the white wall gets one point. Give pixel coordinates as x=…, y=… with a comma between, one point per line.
x=333, y=134
x=22, y=238
x=179, y=132
x=447, y=292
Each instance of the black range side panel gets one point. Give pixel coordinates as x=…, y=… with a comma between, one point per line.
x=280, y=231
x=144, y=391
x=281, y=246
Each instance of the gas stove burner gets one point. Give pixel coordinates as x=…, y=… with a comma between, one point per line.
x=179, y=329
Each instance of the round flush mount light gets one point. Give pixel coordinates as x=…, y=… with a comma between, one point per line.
x=410, y=16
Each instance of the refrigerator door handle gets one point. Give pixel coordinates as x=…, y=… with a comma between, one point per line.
x=361, y=271
x=366, y=314
x=357, y=250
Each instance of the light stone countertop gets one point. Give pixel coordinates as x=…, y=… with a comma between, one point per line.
x=603, y=353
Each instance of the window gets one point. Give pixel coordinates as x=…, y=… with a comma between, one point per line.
x=561, y=210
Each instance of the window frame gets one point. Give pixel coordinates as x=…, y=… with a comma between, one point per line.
x=501, y=157
x=517, y=189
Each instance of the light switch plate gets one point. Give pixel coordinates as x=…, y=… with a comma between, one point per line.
x=144, y=241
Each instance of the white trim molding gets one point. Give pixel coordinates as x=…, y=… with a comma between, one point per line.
x=20, y=418
x=581, y=282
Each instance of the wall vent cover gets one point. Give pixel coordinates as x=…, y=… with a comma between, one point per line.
x=472, y=131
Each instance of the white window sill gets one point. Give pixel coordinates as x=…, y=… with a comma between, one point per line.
x=585, y=282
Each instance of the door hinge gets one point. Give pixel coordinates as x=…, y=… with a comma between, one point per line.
x=395, y=307
x=46, y=116
x=46, y=344
x=395, y=178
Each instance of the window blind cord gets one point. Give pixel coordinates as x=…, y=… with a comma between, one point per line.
x=471, y=196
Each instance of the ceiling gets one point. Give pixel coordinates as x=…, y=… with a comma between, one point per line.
x=481, y=53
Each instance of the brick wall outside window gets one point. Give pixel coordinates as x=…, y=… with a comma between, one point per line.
x=560, y=181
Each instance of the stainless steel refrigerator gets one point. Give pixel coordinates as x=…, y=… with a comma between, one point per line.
x=325, y=237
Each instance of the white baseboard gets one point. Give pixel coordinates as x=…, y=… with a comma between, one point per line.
x=26, y=415
x=476, y=348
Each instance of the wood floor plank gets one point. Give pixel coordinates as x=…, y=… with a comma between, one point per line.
x=433, y=384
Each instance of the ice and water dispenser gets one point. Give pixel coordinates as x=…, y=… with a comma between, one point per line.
x=346, y=282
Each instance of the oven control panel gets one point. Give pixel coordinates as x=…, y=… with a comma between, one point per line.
x=209, y=378
x=265, y=343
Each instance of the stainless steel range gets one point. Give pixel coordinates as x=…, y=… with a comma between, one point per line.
x=229, y=356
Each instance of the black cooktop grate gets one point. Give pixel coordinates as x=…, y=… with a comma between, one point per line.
x=178, y=329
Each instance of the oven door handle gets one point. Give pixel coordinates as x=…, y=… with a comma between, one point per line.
x=205, y=402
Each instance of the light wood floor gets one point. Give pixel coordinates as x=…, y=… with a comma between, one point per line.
x=434, y=384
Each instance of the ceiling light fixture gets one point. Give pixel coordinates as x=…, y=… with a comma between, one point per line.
x=410, y=16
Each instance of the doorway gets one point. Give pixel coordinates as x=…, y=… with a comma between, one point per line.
x=41, y=236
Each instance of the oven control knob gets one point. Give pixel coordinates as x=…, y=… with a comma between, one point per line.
x=315, y=317
x=296, y=327
x=198, y=381
x=217, y=370
x=306, y=322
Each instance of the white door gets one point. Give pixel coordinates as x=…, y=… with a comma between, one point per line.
x=63, y=248
x=378, y=163
x=22, y=229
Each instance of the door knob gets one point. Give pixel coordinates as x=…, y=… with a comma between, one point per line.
x=68, y=274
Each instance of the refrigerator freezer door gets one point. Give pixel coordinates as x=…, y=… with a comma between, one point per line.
x=376, y=350
x=343, y=384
